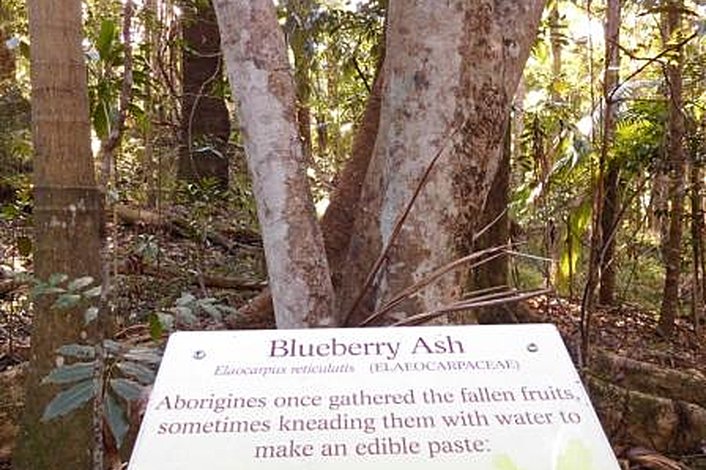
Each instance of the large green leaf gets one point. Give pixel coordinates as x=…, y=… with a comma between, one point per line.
x=137, y=371
x=71, y=373
x=71, y=399
x=106, y=38
x=127, y=389
x=575, y=456
x=79, y=351
x=80, y=283
x=145, y=355
x=504, y=462
x=117, y=423
x=65, y=301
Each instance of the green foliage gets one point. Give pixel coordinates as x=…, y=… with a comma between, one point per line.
x=127, y=370
x=69, y=293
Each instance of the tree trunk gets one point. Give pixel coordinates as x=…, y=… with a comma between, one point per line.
x=675, y=153
x=495, y=273
x=606, y=293
x=67, y=230
x=259, y=73
x=450, y=73
x=298, y=21
x=697, y=242
x=205, y=123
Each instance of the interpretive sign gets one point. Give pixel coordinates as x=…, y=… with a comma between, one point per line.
x=466, y=397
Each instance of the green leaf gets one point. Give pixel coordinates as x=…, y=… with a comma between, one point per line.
x=44, y=289
x=70, y=373
x=79, y=351
x=57, y=278
x=185, y=315
x=80, y=283
x=106, y=37
x=146, y=355
x=504, y=462
x=90, y=315
x=93, y=292
x=113, y=347
x=137, y=371
x=211, y=310
x=127, y=389
x=185, y=299
x=65, y=402
x=66, y=301
x=157, y=326
x=575, y=456
x=117, y=423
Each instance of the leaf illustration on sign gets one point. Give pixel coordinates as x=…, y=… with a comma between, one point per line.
x=504, y=462
x=574, y=457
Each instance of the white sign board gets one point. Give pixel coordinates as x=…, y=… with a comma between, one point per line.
x=454, y=398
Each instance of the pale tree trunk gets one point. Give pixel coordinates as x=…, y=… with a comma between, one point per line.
x=608, y=217
x=259, y=73
x=675, y=155
x=449, y=76
x=67, y=213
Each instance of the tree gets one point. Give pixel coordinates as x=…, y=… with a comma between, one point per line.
x=671, y=28
x=449, y=74
x=67, y=213
x=609, y=214
x=205, y=121
x=258, y=69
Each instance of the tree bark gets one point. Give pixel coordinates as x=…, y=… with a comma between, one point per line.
x=447, y=89
x=259, y=73
x=205, y=121
x=67, y=229
x=676, y=167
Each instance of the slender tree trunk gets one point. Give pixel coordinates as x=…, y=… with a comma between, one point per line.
x=606, y=294
x=67, y=229
x=675, y=154
x=259, y=73
x=205, y=121
x=697, y=243
x=298, y=19
x=450, y=73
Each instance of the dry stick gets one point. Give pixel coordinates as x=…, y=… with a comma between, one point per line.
x=465, y=305
x=398, y=225
x=488, y=290
x=414, y=288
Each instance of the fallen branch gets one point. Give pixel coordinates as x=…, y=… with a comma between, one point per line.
x=649, y=378
x=242, y=239
x=665, y=425
x=208, y=280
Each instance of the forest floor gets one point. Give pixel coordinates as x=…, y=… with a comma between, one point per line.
x=156, y=265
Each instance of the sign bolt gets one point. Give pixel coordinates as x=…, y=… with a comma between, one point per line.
x=198, y=355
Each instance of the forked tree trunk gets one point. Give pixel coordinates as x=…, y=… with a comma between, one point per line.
x=675, y=154
x=67, y=231
x=450, y=73
x=259, y=73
